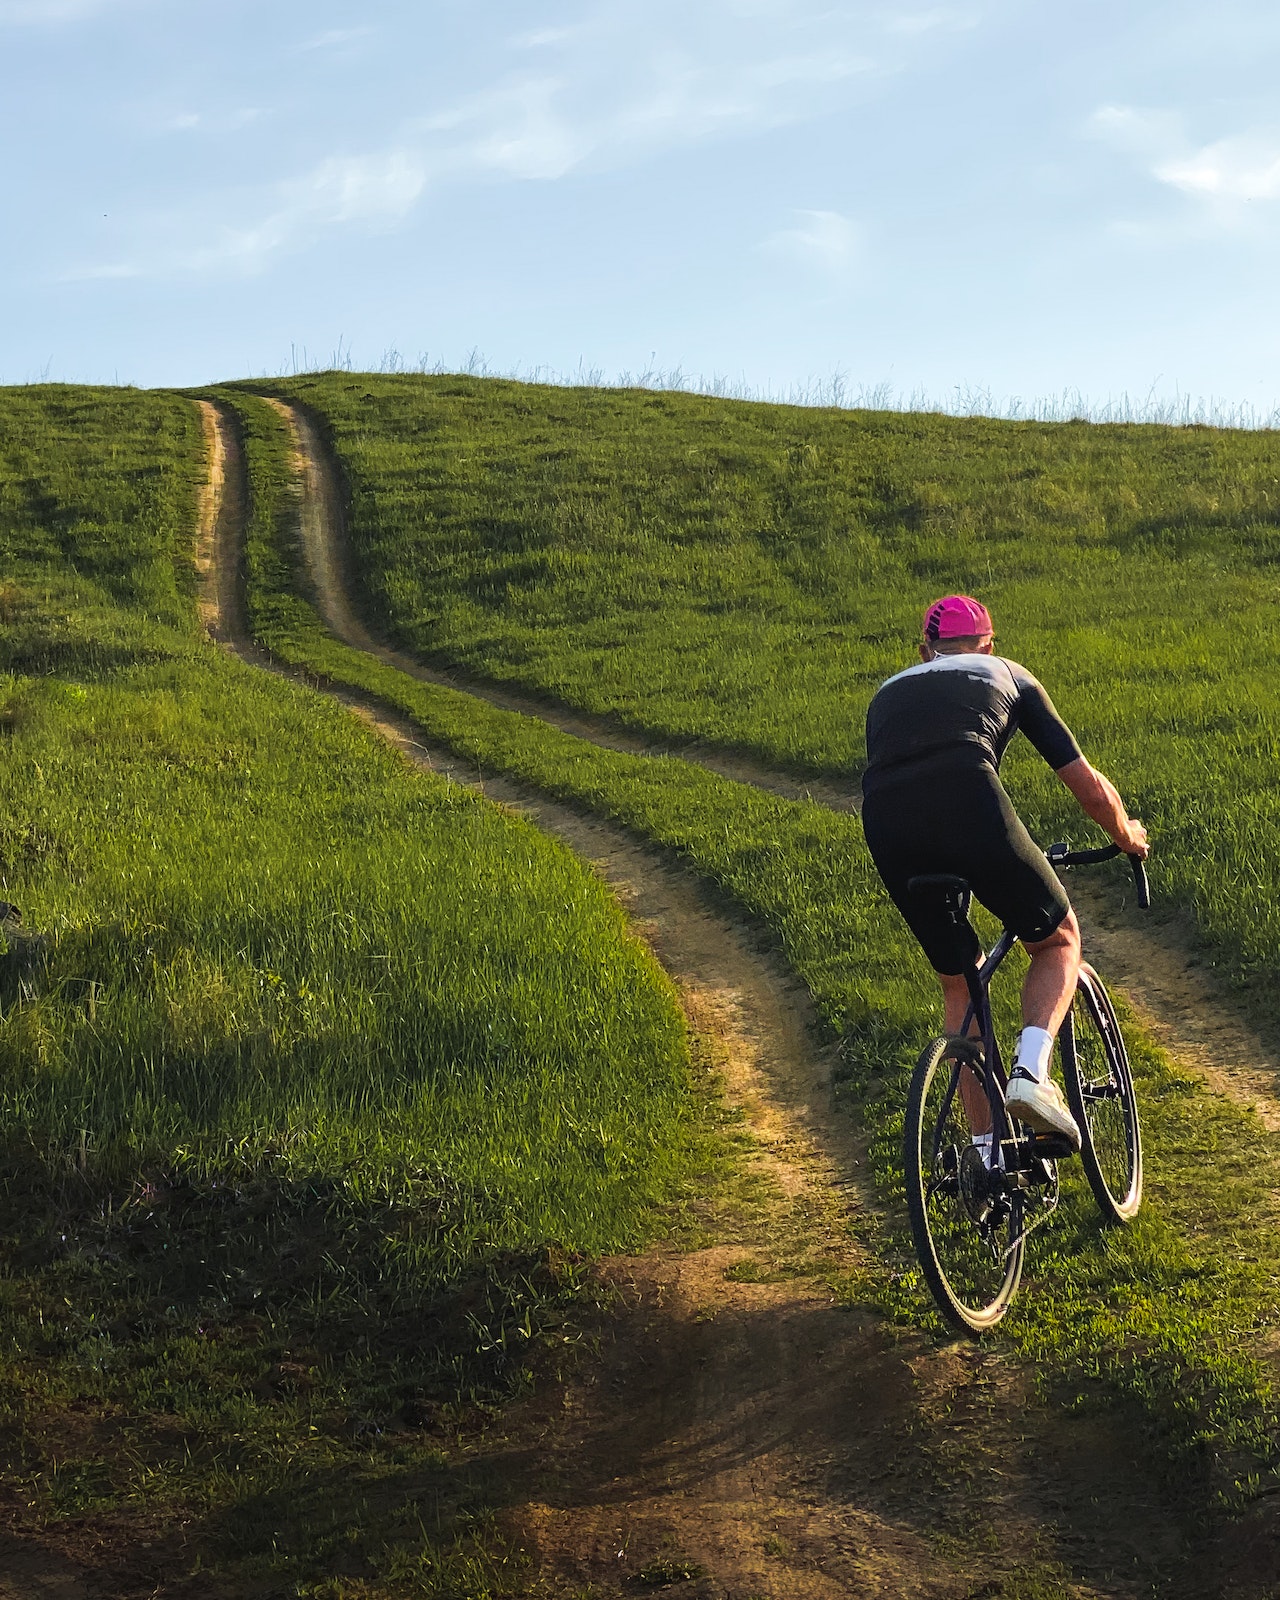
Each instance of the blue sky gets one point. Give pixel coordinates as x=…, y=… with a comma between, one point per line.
x=1006, y=196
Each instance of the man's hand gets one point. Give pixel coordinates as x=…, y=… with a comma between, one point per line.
x=1132, y=838
x=1099, y=799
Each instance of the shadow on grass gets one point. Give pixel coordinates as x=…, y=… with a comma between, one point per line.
x=272, y=1380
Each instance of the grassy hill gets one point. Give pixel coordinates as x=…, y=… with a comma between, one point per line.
x=745, y=574
x=317, y=1067
x=324, y=1072
x=1168, y=1323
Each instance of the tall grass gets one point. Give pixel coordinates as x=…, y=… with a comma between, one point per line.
x=287, y=939
x=305, y=1060
x=833, y=390
x=266, y=937
x=100, y=484
x=1166, y=1320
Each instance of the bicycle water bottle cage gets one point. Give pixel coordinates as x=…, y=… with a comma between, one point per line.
x=952, y=891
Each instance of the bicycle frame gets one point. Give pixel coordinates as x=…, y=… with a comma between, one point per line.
x=978, y=976
x=1006, y=1185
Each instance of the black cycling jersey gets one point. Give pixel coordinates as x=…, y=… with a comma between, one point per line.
x=935, y=803
x=959, y=712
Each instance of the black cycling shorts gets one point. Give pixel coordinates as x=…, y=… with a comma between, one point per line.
x=961, y=822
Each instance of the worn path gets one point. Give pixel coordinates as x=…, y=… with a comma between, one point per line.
x=736, y=1420
x=328, y=560
x=1160, y=970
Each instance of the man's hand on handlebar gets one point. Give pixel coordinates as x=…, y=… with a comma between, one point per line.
x=1132, y=838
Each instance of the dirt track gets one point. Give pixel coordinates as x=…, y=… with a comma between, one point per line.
x=326, y=553
x=735, y=1416
x=1164, y=978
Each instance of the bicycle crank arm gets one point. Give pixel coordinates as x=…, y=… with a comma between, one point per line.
x=1016, y=1155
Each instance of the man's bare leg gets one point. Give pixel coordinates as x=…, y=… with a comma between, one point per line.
x=1047, y=992
x=1032, y=1096
x=1050, y=983
x=955, y=1001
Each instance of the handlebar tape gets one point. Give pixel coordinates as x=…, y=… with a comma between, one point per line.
x=1107, y=852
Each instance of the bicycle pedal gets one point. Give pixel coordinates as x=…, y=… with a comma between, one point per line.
x=1052, y=1147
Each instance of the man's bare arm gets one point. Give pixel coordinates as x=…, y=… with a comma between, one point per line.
x=1100, y=800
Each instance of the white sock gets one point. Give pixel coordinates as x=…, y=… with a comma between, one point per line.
x=1035, y=1046
x=982, y=1141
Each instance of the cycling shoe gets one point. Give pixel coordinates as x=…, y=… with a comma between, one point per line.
x=1041, y=1106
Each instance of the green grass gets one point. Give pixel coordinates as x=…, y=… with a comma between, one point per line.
x=1160, y=1320
x=320, y=1080
x=292, y=943
x=745, y=574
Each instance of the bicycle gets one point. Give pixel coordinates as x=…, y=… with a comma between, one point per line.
x=973, y=1207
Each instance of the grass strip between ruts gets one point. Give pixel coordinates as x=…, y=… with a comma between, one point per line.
x=1164, y=1316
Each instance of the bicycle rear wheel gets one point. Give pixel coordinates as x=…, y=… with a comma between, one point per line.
x=967, y=1225
x=1100, y=1092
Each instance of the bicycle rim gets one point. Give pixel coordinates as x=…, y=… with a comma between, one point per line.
x=969, y=1242
x=1099, y=1083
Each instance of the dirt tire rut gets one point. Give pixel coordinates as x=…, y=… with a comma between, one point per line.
x=737, y=1421
x=1162, y=974
x=326, y=552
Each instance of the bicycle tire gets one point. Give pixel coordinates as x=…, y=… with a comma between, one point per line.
x=971, y=1268
x=1100, y=1092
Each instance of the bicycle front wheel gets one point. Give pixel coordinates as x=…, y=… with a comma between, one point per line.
x=1100, y=1092
x=966, y=1224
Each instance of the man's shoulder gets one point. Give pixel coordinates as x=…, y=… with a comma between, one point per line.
x=1022, y=676
x=969, y=664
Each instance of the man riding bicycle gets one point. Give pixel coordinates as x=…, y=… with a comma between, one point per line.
x=933, y=803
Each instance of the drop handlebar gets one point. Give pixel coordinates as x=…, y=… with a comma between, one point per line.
x=1060, y=857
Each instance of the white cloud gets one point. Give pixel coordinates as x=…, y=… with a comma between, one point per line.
x=1231, y=169
x=517, y=130
x=631, y=78
x=1224, y=173
x=1149, y=134
x=539, y=38
x=106, y=272
x=217, y=122
x=370, y=190
x=825, y=242
x=341, y=190
x=623, y=88
x=332, y=38
x=938, y=20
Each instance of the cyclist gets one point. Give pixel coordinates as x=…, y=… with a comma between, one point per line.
x=933, y=803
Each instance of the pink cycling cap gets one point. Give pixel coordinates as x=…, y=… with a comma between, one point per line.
x=956, y=616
